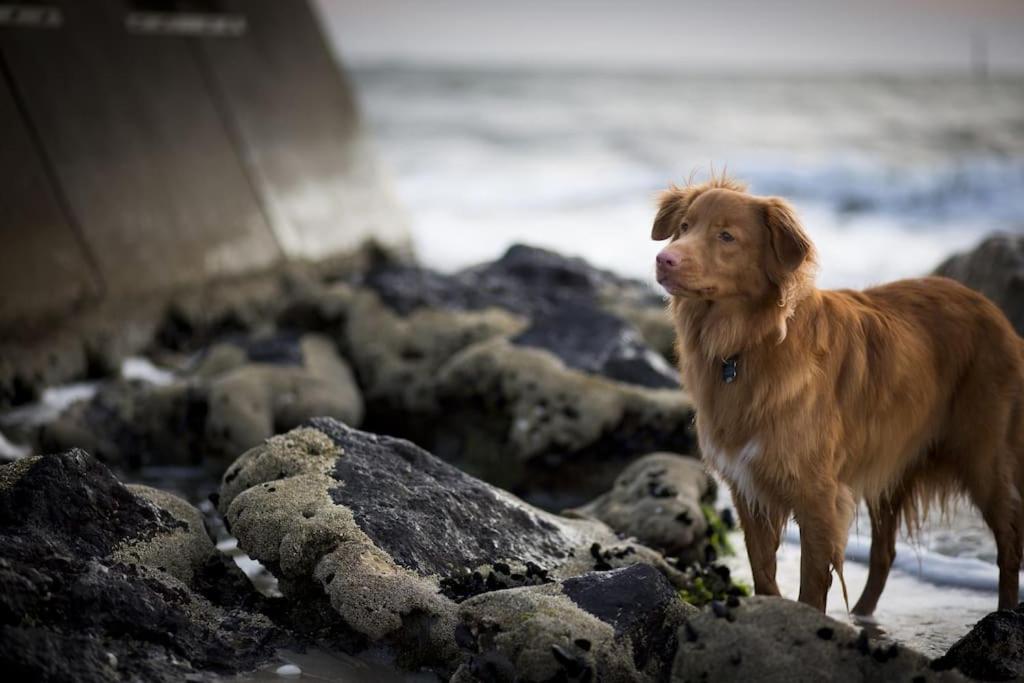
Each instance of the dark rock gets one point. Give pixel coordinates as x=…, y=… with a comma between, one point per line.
x=379, y=476
x=228, y=404
x=525, y=280
x=98, y=583
x=634, y=601
x=393, y=538
x=132, y=424
x=616, y=625
x=996, y=269
x=534, y=283
x=587, y=338
x=657, y=499
x=992, y=651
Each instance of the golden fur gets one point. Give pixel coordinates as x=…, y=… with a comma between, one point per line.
x=896, y=394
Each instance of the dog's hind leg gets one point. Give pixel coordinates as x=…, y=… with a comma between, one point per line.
x=1000, y=505
x=762, y=532
x=885, y=522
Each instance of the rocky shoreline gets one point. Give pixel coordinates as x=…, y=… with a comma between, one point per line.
x=394, y=446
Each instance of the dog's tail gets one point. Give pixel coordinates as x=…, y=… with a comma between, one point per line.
x=846, y=507
x=837, y=564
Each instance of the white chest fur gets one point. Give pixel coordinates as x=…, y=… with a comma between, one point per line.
x=736, y=467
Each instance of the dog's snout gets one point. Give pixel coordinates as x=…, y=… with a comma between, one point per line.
x=668, y=259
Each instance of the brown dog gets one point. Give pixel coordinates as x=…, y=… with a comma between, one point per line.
x=808, y=400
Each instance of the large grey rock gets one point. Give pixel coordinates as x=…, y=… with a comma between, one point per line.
x=996, y=269
x=993, y=650
x=393, y=538
x=658, y=500
x=100, y=582
x=777, y=640
x=612, y=626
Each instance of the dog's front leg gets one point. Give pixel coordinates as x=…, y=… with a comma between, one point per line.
x=822, y=542
x=762, y=531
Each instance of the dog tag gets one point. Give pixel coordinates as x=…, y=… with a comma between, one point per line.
x=730, y=369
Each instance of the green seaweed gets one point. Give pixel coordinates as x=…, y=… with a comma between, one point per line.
x=711, y=582
x=718, y=531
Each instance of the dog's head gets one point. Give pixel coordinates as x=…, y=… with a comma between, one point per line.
x=727, y=244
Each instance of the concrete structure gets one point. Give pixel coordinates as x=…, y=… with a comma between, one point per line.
x=145, y=151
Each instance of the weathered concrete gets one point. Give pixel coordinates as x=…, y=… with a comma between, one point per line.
x=139, y=150
x=38, y=248
x=295, y=115
x=148, y=163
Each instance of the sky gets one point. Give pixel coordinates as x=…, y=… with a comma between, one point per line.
x=744, y=35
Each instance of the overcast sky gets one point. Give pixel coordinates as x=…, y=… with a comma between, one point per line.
x=810, y=35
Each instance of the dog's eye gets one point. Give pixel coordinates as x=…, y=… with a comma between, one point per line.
x=725, y=236
x=683, y=228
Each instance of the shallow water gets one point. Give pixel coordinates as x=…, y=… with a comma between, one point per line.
x=320, y=665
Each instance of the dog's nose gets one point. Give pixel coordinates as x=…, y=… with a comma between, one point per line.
x=667, y=259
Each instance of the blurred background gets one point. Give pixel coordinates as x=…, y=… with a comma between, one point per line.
x=897, y=128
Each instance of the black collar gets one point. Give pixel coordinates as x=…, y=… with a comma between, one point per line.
x=730, y=369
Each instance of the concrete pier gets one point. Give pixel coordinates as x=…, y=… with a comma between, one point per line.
x=141, y=153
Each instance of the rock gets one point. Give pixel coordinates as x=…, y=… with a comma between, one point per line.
x=98, y=583
x=390, y=536
x=773, y=639
x=240, y=393
x=993, y=650
x=584, y=337
x=518, y=417
x=397, y=358
x=614, y=626
x=996, y=269
x=579, y=312
x=131, y=424
x=252, y=402
x=517, y=370
x=26, y=369
x=658, y=500
x=525, y=280
x=652, y=321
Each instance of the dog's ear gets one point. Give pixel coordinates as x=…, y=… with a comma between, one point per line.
x=672, y=206
x=790, y=246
